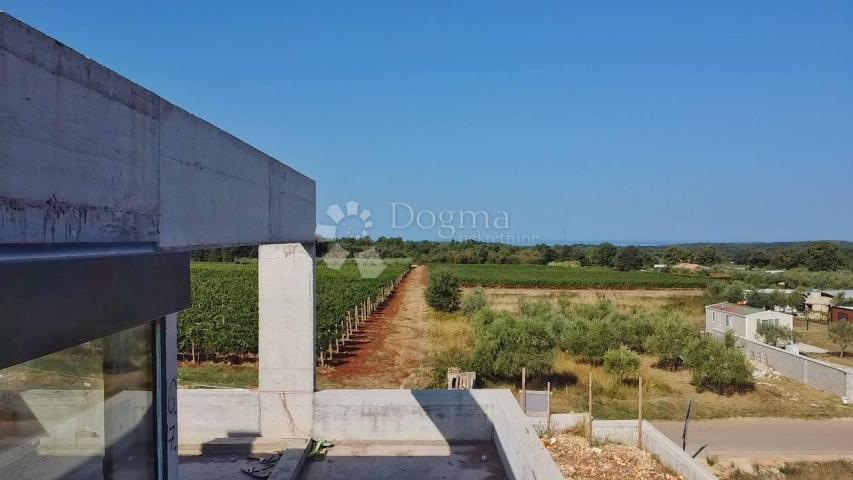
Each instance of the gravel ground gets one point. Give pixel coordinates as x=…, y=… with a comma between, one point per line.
x=578, y=461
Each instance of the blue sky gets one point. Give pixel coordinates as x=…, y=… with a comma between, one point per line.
x=630, y=122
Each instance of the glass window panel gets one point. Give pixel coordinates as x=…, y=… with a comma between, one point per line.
x=86, y=412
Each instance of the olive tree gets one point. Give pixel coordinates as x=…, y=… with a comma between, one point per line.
x=841, y=334
x=622, y=362
x=776, y=334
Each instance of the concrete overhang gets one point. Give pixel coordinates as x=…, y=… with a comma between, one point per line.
x=89, y=157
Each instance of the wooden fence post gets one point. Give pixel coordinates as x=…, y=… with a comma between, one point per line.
x=589, y=408
x=640, y=416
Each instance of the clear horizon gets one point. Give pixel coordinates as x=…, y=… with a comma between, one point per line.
x=714, y=123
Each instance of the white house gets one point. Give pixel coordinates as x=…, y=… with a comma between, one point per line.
x=818, y=302
x=741, y=319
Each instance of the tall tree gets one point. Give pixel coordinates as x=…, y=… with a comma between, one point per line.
x=674, y=255
x=759, y=259
x=629, y=258
x=823, y=256
x=707, y=256
x=604, y=254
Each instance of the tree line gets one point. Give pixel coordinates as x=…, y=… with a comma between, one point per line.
x=815, y=256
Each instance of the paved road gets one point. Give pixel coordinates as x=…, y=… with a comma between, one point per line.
x=765, y=437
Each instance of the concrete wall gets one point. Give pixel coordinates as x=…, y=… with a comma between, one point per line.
x=89, y=156
x=672, y=456
x=823, y=375
x=207, y=415
x=436, y=416
x=380, y=416
x=402, y=416
x=521, y=451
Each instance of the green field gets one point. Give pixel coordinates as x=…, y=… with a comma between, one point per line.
x=544, y=276
x=223, y=320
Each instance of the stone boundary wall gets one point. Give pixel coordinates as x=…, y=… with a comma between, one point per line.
x=816, y=373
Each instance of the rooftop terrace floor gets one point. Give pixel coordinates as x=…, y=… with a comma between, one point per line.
x=401, y=462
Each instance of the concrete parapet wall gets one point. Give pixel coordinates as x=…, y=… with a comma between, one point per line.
x=819, y=374
x=616, y=431
x=673, y=457
x=521, y=451
x=379, y=416
x=402, y=416
x=207, y=415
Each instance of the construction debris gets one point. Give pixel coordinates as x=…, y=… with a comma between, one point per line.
x=261, y=466
x=577, y=460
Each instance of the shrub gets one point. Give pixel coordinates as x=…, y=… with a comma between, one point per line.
x=841, y=334
x=774, y=334
x=671, y=336
x=588, y=338
x=633, y=329
x=443, y=291
x=474, y=301
x=622, y=362
x=505, y=343
x=718, y=367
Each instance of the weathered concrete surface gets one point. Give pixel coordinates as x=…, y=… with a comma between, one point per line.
x=403, y=462
x=286, y=324
x=206, y=415
x=89, y=156
x=396, y=415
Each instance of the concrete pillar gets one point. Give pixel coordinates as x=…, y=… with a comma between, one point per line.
x=286, y=339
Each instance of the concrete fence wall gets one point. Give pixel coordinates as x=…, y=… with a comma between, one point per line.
x=627, y=432
x=823, y=375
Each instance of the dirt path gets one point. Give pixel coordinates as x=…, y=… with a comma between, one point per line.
x=389, y=350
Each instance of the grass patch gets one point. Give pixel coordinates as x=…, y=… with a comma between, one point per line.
x=209, y=374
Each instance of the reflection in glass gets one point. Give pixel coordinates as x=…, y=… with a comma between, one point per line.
x=85, y=412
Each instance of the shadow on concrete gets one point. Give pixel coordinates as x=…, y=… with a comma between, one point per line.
x=405, y=434
x=407, y=462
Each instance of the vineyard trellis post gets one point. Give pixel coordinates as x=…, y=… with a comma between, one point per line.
x=358, y=317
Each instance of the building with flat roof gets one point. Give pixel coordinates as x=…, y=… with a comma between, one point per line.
x=742, y=320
